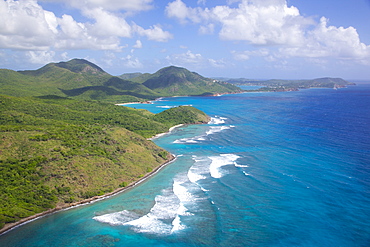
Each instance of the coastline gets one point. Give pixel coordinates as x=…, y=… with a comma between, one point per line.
x=165, y=133
x=10, y=226
x=138, y=102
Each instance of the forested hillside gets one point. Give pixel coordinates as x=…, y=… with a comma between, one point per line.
x=83, y=80
x=56, y=150
x=77, y=78
x=172, y=81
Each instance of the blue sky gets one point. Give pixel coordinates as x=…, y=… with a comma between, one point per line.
x=257, y=39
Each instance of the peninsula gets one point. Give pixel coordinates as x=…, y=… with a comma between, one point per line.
x=64, y=142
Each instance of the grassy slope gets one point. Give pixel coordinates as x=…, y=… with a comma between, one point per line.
x=57, y=150
x=77, y=78
x=172, y=81
x=83, y=80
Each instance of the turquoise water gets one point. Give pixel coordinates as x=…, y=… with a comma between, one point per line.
x=270, y=169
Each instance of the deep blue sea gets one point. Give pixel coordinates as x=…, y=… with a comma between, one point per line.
x=270, y=169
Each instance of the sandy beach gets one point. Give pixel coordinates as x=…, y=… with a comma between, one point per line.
x=165, y=133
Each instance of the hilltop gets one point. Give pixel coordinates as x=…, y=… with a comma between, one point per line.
x=172, y=81
x=83, y=80
x=77, y=78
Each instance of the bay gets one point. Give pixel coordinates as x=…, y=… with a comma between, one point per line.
x=270, y=169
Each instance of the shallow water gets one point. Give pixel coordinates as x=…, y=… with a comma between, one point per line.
x=270, y=169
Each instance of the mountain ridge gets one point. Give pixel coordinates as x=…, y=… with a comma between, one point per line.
x=81, y=79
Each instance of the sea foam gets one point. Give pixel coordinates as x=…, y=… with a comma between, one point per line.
x=218, y=162
x=214, y=128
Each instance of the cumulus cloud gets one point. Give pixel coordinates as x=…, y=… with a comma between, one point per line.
x=257, y=22
x=138, y=44
x=272, y=23
x=75, y=35
x=155, y=33
x=326, y=41
x=107, y=23
x=25, y=25
x=195, y=60
x=40, y=57
x=187, y=58
x=131, y=62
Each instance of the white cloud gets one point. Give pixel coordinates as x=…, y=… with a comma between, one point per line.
x=107, y=23
x=75, y=35
x=330, y=41
x=186, y=58
x=138, y=44
x=25, y=25
x=65, y=56
x=207, y=29
x=221, y=63
x=256, y=22
x=70, y=28
x=155, y=33
x=132, y=62
x=194, y=60
x=179, y=10
x=273, y=23
x=40, y=57
x=109, y=58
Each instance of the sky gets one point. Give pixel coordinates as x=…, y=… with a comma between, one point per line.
x=256, y=39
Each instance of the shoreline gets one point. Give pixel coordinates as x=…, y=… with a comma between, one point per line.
x=11, y=226
x=165, y=133
x=138, y=102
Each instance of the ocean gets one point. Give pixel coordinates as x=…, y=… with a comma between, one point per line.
x=270, y=169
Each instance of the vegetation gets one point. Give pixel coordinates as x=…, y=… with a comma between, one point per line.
x=55, y=150
x=172, y=81
x=62, y=139
x=292, y=85
x=83, y=80
x=181, y=115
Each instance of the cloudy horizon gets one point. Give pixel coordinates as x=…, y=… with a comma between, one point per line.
x=232, y=38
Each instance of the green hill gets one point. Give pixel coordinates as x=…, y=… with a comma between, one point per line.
x=76, y=78
x=171, y=81
x=81, y=79
x=62, y=139
x=56, y=151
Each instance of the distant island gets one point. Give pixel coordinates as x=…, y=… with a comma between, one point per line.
x=290, y=85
